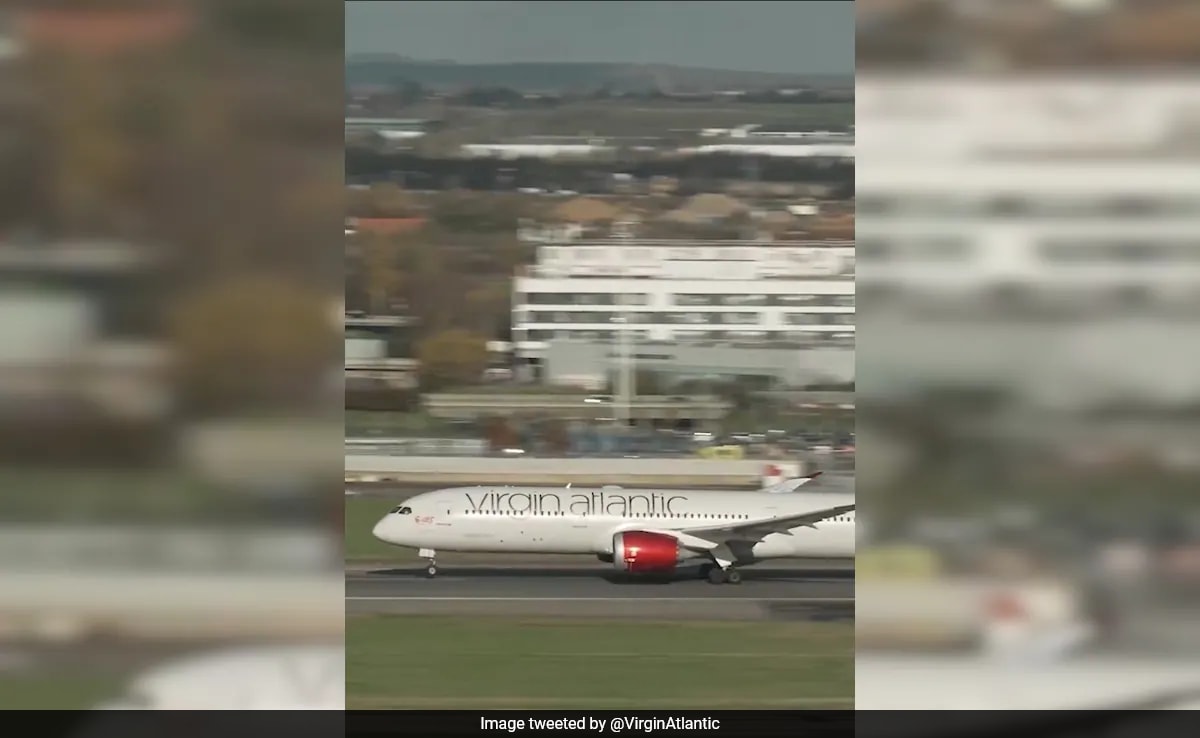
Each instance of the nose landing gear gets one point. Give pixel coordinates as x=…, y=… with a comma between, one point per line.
x=431, y=556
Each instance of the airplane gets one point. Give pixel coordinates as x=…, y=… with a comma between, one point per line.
x=649, y=531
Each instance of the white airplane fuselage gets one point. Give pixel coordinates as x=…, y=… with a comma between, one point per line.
x=533, y=520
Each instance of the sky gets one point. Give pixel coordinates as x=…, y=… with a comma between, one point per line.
x=751, y=35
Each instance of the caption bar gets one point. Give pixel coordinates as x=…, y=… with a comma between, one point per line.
x=610, y=724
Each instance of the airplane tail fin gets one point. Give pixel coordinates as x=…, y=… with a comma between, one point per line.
x=791, y=485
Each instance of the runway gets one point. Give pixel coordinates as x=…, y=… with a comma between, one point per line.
x=773, y=591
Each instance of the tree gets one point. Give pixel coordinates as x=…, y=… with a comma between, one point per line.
x=500, y=433
x=93, y=161
x=434, y=292
x=484, y=303
x=474, y=214
x=405, y=92
x=452, y=357
x=383, y=276
x=389, y=200
x=252, y=342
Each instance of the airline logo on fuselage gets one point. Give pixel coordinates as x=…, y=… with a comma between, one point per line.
x=576, y=503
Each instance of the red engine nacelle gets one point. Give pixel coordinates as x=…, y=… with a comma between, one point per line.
x=640, y=552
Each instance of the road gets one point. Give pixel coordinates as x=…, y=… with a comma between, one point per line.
x=777, y=591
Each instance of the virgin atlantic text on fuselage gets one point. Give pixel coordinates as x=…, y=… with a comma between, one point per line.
x=577, y=503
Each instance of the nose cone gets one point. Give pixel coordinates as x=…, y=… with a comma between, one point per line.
x=380, y=529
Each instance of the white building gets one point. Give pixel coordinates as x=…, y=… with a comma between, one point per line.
x=1035, y=188
x=995, y=205
x=536, y=150
x=669, y=290
x=792, y=149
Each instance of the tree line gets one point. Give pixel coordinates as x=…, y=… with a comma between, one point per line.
x=403, y=92
x=696, y=174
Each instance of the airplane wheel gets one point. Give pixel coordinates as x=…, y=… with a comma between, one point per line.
x=706, y=570
x=733, y=576
x=431, y=572
x=716, y=575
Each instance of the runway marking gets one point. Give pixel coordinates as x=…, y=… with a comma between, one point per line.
x=386, y=598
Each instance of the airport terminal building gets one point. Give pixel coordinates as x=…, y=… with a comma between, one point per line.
x=798, y=292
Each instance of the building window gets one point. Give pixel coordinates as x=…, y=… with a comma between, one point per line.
x=797, y=299
x=803, y=336
x=740, y=318
x=1131, y=207
x=1060, y=251
x=938, y=248
x=688, y=318
x=751, y=335
x=873, y=249
x=742, y=300
x=1008, y=206
x=873, y=205
x=692, y=300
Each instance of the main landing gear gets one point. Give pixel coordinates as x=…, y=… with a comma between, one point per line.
x=716, y=575
x=431, y=556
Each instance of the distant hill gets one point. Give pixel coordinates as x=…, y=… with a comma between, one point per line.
x=379, y=69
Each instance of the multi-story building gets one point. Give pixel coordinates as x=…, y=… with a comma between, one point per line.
x=1041, y=234
x=1048, y=194
x=798, y=292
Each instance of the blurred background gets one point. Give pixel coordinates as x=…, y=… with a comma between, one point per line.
x=1028, y=204
x=170, y=302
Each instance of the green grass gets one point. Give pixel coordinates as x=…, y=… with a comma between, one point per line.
x=57, y=691
x=361, y=515
x=97, y=495
x=399, y=662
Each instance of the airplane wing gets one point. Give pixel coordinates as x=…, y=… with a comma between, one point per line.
x=706, y=538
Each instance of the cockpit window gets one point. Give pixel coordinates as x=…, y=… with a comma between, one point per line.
x=402, y=510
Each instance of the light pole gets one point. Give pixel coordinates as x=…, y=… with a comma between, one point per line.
x=623, y=407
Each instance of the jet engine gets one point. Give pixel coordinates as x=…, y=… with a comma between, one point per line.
x=641, y=552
